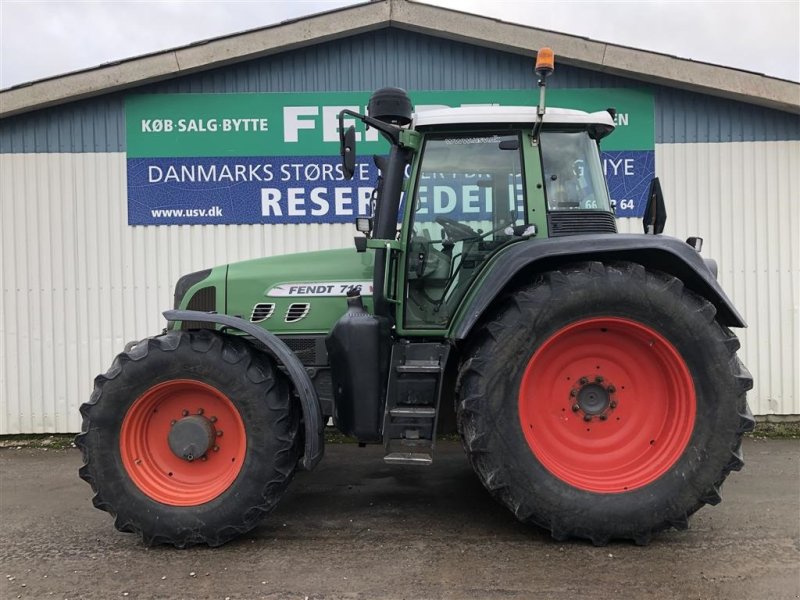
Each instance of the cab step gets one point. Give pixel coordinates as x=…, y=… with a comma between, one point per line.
x=418, y=459
x=419, y=366
x=424, y=412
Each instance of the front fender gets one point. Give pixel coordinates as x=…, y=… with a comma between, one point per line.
x=659, y=252
x=312, y=414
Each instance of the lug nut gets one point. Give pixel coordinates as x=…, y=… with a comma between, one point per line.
x=575, y=408
x=598, y=379
x=611, y=389
x=204, y=458
x=215, y=448
x=200, y=411
x=603, y=417
x=213, y=419
x=219, y=433
x=613, y=404
x=172, y=423
x=587, y=418
x=185, y=412
x=583, y=380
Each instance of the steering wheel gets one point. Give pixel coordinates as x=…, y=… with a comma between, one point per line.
x=455, y=230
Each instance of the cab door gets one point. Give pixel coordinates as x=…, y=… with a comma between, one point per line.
x=467, y=199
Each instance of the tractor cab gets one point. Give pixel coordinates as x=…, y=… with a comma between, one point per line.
x=465, y=183
x=482, y=181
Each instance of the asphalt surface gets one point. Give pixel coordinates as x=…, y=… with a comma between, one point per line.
x=355, y=528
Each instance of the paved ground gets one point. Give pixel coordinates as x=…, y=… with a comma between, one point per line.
x=357, y=529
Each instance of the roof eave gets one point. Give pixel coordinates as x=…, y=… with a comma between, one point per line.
x=641, y=65
x=212, y=54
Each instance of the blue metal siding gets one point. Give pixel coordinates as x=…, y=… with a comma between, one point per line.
x=683, y=117
x=94, y=125
x=390, y=57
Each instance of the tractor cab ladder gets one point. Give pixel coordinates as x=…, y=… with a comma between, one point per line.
x=412, y=403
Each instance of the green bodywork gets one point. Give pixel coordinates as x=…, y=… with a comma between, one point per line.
x=243, y=285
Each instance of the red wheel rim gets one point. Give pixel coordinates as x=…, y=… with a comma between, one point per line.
x=607, y=405
x=150, y=462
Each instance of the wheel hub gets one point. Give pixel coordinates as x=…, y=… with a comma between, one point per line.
x=593, y=399
x=191, y=437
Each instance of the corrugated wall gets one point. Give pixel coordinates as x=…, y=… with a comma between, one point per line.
x=78, y=282
x=742, y=198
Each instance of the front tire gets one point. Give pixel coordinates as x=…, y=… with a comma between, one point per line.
x=189, y=438
x=604, y=401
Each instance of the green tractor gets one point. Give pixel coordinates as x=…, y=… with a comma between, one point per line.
x=591, y=375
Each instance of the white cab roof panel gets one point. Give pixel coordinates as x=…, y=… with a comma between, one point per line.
x=507, y=114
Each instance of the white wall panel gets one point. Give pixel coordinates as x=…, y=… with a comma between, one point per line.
x=743, y=198
x=78, y=282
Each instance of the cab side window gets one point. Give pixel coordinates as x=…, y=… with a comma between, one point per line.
x=572, y=172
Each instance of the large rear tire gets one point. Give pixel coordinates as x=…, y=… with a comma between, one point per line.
x=604, y=402
x=189, y=438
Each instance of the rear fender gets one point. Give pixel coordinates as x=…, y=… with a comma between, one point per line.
x=520, y=261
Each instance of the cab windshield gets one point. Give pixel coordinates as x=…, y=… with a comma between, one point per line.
x=572, y=171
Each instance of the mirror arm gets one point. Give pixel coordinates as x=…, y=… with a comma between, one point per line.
x=390, y=132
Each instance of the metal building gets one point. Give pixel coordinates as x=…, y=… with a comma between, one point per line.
x=79, y=281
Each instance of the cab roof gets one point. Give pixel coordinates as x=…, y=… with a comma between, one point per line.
x=476, y=115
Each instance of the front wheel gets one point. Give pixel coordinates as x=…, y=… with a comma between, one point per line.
x=604, y=401
x=189, y=438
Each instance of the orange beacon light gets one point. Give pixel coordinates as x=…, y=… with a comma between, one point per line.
x=545, y=62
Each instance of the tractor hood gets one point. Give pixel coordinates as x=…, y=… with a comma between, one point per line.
x=298, y=293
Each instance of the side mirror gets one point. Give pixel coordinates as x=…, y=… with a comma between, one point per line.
x=347, y=149
x=655, y=213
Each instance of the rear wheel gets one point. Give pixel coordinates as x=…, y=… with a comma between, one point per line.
x=189, y=438
x=604, y=401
